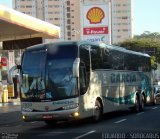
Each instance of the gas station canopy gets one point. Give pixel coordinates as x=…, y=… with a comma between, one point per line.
x=15, y=25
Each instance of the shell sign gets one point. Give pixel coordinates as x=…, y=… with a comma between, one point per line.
x=95, y=15
x=96, y=23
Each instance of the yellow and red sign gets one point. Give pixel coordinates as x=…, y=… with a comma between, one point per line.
x=4, y=61
x=95, y=30
x=95, y=15
x=96, y=23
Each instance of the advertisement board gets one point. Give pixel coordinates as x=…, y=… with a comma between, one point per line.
x=4, y=63
x=95, y=15
x=96, y=38
x=95, y=30
x=11, y=59
x=96, y=23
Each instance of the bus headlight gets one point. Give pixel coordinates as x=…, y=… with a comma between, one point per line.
x=24, y=117
x=73, y=106
x=76, y=114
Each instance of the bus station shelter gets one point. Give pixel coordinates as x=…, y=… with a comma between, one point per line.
x=18, y=30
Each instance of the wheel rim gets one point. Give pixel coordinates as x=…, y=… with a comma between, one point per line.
x=97, y=112
x=137, y=104
x=142, y=105
x=155, y=101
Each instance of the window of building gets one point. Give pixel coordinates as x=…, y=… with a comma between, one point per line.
x=56, y=6
x=69, y=33
x=68, y=9
x=56, y=12
x=68, y=21
x=68, y=2
x=50, y=6
x=124, y=17
x=22, y=6
x=68, y=27
x=68, y=15
x=125, y=23
x=50, y=12
x=56, y=18
x=117, y=5
x=28, y=6
x=125, y=30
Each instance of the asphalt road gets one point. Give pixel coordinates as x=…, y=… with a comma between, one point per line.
x=121, y=124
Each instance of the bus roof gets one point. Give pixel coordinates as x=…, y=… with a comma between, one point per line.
x=118, y=48
x=109, y=47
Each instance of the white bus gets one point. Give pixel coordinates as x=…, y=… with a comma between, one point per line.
x=77, y=79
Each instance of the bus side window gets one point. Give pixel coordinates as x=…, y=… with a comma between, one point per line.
x=82, y=79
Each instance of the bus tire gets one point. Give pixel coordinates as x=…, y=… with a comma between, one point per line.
x=137, y=104
x=142, y=103
x=97, y=111
x=155, y=101
x=50, y=122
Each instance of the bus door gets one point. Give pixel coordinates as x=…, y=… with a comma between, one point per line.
x=82, y=79
x=85, y=96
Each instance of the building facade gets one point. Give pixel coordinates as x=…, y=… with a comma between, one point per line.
x=67, y=15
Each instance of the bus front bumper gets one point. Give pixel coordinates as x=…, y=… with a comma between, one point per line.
x=57, y=116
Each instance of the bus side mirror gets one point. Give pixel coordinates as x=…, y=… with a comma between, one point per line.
x=11, y=71
x=76, y=67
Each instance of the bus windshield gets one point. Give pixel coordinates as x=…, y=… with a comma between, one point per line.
x=61, y=83
x=47, y=74
x=33, y=75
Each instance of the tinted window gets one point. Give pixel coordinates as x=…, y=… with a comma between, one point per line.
x=62, y=51
x=84, y=56
x=96, y=57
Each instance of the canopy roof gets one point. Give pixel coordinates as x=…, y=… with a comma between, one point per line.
x=16, y=25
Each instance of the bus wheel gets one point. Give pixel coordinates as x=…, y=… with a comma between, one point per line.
x=97, y=111
x=51, y=122
x=142, y=103
x=137, y=104
x=155, y=101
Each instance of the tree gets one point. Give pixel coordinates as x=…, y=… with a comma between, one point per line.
x=147, y=43
x=153, y=62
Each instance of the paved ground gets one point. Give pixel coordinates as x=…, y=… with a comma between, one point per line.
x=121, y=124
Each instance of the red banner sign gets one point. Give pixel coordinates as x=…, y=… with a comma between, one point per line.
x=4, y=61
x=95, y=30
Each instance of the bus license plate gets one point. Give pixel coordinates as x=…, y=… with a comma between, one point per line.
x=47, y=116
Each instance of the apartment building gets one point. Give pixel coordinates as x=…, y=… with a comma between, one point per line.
x=63, y=13
x=67, y=15
x=122, y=20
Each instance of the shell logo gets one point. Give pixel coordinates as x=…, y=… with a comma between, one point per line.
x=95, y=15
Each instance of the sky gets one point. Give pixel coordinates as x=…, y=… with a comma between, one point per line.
x=146, y=15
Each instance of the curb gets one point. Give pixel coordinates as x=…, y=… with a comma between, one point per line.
x=10, y=104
